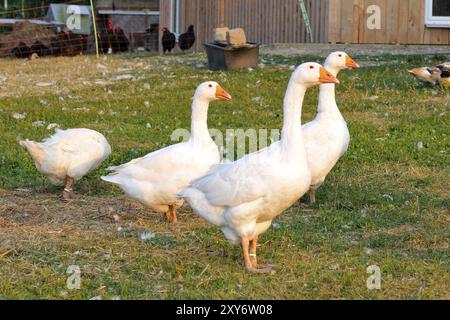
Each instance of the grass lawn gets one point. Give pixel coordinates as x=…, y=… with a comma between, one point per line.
x=385, y=204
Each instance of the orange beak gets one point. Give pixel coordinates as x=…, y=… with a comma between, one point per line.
x=327, y=77
x=350, y=63
x=221, y=94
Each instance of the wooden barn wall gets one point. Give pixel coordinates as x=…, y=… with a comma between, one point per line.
x=403, y=22
x=151, y=5
x=265, y=21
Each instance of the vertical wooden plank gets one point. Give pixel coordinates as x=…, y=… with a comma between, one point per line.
x=367, y=35
x=334, y=24
x=323, y=21
x=221, y=13
x=277, y=22
x=292, y=14
x=358, y=19
x=286, y=21
x=259, y=5
x=415, y=21
x=381, y=35
x=392, y=23
x=270, y=21
x=318, y=5
x=403, y=15
x=439, y=37
x=347, y=21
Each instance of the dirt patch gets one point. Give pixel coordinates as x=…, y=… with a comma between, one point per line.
x=20, y=208
x=407, y=228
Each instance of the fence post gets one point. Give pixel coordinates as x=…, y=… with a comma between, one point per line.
x=95, y=29
x=307, y=20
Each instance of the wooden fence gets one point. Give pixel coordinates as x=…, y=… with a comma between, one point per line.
x=265, y=21
x=402, y=22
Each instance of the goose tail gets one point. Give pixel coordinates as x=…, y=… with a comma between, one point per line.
x=34, y=149
x=112, y=178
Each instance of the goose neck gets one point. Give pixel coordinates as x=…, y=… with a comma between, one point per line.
x=199, y=120
x=327, y=98
x=293, y=103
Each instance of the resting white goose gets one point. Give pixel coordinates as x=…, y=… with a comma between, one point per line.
x=68, y=155
x=243, y=197
x=155, y=179
x=327, y=137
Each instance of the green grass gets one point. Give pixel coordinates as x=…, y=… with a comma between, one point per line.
x=386, y=203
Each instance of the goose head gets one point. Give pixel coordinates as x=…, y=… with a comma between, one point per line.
x=340, y=60
x=312, y=74
x=211, y=91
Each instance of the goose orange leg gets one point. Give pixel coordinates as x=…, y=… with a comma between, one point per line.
x=171, y=215
x=312, y=194
x=245, y=243
x=253, y=245
x=67, y=193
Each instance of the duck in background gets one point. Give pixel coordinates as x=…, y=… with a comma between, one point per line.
x=327, y=137
x=155, y=179
x=243, y=197
x=444, y=79
x=68, y=156
x=438, y=75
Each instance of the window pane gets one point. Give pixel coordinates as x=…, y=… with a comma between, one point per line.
x=441, y=8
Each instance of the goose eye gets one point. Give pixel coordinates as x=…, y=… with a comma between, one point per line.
x=311, y=67
x=210, y=86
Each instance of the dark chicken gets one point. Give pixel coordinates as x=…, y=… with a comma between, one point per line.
x=121, y=41
x=40, y=49
x=113, y=39
x=73, y=44
x=187, y=40
x=168, y=40
x=22, y=51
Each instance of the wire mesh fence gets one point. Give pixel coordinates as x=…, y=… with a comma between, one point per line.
x=40, y=28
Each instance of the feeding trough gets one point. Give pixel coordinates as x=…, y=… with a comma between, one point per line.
x=231, y=51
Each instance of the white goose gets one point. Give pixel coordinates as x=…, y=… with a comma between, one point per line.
x=327, y=137
x=68, y=155
x=243, y=197
x=155, y=179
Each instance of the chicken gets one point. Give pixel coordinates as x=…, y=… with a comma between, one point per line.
x=57, y=45
x=22, y=51
x=168, y=40
x=40, y=49
x=121, y=41
x=187, y=40
x=113, y=39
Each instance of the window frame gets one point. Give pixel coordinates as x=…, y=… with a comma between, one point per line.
x=435, y=21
